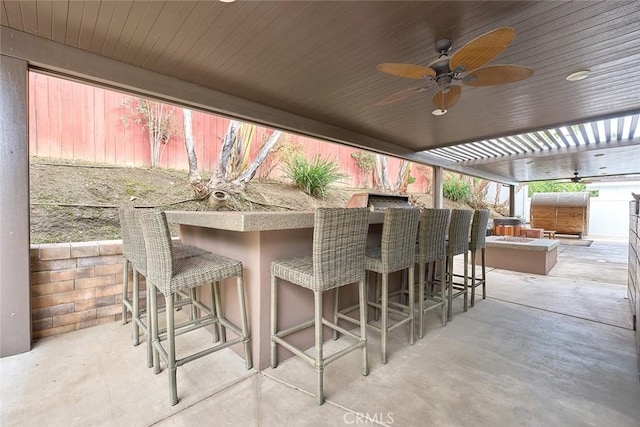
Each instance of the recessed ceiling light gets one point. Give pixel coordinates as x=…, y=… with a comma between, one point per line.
x=227, y=1
x=439, y=112
x=598, y=155
x=578, y=75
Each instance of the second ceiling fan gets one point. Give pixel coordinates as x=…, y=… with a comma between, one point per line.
x=466, y=65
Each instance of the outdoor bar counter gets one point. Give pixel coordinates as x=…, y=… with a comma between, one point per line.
x=256, y=239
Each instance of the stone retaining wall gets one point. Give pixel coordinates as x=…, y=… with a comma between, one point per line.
x=75, y=286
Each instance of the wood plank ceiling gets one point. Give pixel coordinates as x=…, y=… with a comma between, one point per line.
x=318, y=60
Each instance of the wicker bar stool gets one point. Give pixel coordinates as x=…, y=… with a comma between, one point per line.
x=432, y=247
x=134, y=255
x=396, y=253
x=169, y=275
x=339, y=244
x=478, y=241
x=458, y=243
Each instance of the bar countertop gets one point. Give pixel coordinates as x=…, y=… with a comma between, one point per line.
x=244, y=221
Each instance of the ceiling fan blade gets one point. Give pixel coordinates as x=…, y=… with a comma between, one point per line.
x=400, y=95
x=497, y=75
x=482, y=49
x=409, y=71
x=444, y=101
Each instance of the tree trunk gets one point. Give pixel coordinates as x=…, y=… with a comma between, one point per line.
x=195, y=180
x=403, y=177
x=220, y=177
x=381, y=173
x=250, y=171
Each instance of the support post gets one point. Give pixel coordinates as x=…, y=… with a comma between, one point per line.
x=512, y=200
x=437, y=187
x=15, y=304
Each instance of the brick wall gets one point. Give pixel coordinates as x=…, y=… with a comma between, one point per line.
x=75, y=286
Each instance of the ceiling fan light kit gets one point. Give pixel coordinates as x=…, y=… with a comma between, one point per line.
x=578, y=75
x=467, y=65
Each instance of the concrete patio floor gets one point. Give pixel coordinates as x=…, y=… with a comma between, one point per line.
x=539, y=351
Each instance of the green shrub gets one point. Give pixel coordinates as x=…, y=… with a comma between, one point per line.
x=456, y=190
x=313, y=177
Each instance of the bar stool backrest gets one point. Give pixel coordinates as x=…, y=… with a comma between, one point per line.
x=159, y=249
x=432, y=235
x=459, y=231
x=124, y=232
x=138, y=249
x=479, y=230
x=398, y=248
x=339, y=245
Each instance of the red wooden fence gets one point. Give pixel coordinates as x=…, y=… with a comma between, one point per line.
x=70, y=120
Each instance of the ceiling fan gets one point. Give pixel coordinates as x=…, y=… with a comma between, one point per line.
x=466, y=65
x=577, y=179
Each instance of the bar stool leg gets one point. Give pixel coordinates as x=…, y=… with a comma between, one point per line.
x=336, y=308
x=484, y=273
x=362, y=296
x=466, y=280
x=171, y=349
x=274, y=322
x=443, y=291
x=214, y=329
x=218, y=306
x=194, y=313
x=125, y=288
x=154, y=327
x=377, y=294
x=135, y=306
x=383, y=316
x=449, y=274
x=150, y=309
x=245, y=324
x=473, y=278
x=421, y=284
x=317, y=296
x=412, y=307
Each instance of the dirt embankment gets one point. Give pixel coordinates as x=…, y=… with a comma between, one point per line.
x=75, y=202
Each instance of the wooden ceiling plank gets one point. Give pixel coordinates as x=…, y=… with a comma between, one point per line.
x=143, y=30
x=254, y=26
x=103, y=21
x=59, y=21
x=88, y=24
x=135, y=16
x=44, y=18
x=29, y=12
x=170, y=22
x=203, y=50
x=73, y=22
x=196, y=22
x=3, y=16
x=118, y=20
